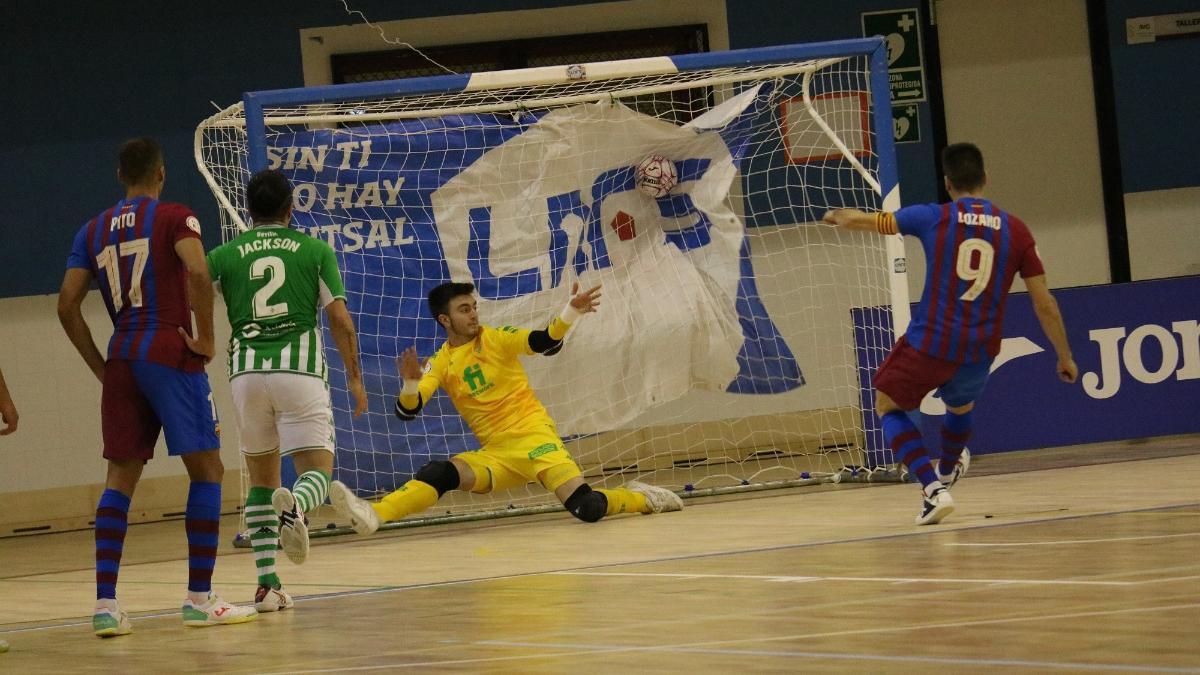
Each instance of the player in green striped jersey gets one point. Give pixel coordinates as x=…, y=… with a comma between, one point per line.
x=274, y=281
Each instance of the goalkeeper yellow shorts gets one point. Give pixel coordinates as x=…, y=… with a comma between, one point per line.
x=519, y=456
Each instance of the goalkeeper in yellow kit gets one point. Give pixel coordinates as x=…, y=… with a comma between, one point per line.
x=479, y=369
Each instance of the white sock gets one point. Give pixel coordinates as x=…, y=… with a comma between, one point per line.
x=933, y=487
x=106, y=604
x=197, y=598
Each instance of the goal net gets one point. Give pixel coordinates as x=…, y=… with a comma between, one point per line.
x=724, y=355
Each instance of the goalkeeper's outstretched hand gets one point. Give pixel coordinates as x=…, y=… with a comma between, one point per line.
x=410, y=367
x=586, y=301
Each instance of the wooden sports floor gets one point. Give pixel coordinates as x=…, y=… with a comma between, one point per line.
x=1051, y=563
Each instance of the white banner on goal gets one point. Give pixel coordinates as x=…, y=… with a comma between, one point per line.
x=569, y=210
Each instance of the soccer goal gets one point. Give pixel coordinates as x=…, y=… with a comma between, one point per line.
x=724, y=356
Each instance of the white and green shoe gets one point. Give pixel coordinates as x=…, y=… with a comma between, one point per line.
x=293, y=525
x=215, y=612
x=110, y=621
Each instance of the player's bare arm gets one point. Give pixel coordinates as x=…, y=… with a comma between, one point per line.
x=549, y=340
x=586, y=301
x=200, y=296
x=1050, y=318
x=8, y=409
x=346, y=338
x=75, y=285
x=854, y=219
x=409, y=365
x=411, y=369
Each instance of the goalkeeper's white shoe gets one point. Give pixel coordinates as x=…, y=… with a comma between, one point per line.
x=362, y=517
x=110, y=620
x=215, y=612
x=293, y=525
x=660, y=500
x=960, y=469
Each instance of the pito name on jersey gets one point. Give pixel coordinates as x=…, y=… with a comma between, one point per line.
x=978, y=219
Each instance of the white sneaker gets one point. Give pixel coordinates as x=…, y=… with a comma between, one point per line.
x=660, y=500
x=362, y=517
x=267, y=599
x=215, y=612
x=936, y=507
x=293, y=525
x=960, y=469
x=111, y=621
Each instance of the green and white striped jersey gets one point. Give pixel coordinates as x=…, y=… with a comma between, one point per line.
x=274, y=281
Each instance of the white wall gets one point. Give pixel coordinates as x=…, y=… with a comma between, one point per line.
x=317, y=44
x=1017, y=82
x=1164, y=233
x=58, y=442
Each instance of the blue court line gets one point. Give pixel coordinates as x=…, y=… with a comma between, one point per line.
x=687, y=556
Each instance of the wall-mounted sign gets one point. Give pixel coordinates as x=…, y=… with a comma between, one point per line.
x=901, y=30
x=1144, y=29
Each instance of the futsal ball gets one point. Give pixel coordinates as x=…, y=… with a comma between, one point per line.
x=655, y=176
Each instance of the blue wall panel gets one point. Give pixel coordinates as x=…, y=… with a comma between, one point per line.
x=1157, y=91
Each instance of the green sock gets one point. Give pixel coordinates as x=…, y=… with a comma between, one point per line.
x=264, y=534
x=310, y=490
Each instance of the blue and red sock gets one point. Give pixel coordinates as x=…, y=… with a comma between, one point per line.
x=112, y=521
x=956, y=431
x=907, y=446
x=202, y=522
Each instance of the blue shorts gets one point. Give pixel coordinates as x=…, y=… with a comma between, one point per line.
x=141, y=398
x=966, y=385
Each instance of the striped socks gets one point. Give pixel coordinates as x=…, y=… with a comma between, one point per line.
x=956, y=431
x=263, y=524
x=112, y=520
x=907, y=446
x=202, y=522
x=310, y=490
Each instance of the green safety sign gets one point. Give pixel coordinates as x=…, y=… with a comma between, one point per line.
x=901, y=31
x=906, y=126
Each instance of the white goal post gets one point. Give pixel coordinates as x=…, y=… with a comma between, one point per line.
x=724, y=357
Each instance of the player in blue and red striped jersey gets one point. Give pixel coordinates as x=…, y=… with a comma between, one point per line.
x=973, y=250
x=148, y=259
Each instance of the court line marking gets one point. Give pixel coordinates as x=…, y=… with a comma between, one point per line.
x=1068, y=665
x=899, y=580
x=1062, y=542
x=690, y=556
x=706, y=647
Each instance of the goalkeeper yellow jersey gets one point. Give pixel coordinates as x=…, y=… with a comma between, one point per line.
x=486, y=382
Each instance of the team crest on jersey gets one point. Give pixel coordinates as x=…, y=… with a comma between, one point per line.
x=193, y=224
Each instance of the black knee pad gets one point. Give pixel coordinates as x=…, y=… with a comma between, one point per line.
x=441, y=474
x=586, y=504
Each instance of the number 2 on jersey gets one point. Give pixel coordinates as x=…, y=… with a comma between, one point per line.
x=109, y=260
x=977, y=272
x=263, y=309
